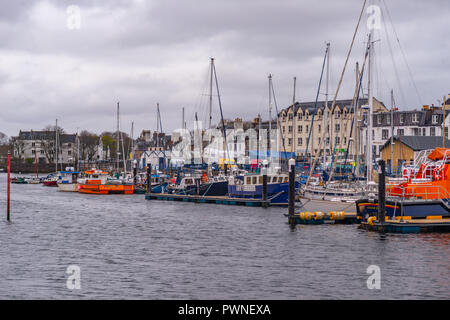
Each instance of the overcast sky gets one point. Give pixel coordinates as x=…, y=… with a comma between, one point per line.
x=144, y=52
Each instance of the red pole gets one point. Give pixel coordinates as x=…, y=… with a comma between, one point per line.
x=8, y=187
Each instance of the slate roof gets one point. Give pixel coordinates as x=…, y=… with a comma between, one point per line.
x=46, y=135
x=340, y=104
x=424, y=118
x=418, y=143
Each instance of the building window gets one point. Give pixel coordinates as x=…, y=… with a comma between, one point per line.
x=307, y=128
x=384, y=134
x=299, y=141
x=402, y=118
x=379, y=118
x=42, y=151
x=33, y=144
x=284, y=129
x=337, y=114
x=337, y=140
x=424, y=132
x=337, y=127
x=289, y=141
x=434, y=118
x=388, y=119
x=300, y=129
x=69, y=145
x=300, y=116
x=415, y=131
x=319, y=128
x=69, y=152
x=432, y=132
x=32, y=151
x=290, y=129
x=400, y=132
x=415, y=117
x=291, y=116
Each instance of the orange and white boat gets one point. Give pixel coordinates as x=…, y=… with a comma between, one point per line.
x=99, y=182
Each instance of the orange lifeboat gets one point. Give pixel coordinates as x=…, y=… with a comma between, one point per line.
x=431, y=180
x=96, y=182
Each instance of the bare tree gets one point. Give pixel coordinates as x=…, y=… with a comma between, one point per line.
x=18, y=145
x=88, y=144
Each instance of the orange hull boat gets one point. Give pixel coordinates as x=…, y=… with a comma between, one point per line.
x=97, y=183
x=105, y=188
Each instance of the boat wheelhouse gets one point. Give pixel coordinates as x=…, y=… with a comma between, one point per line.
x=67, y=180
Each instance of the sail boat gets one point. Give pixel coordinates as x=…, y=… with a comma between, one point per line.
x=250, y=185
x=339, y=190
x=204, y=184
x=99, y=182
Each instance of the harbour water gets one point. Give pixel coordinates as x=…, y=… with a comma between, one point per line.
x=131, y=248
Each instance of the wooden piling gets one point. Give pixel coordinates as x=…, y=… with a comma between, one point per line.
x=134, y=171
x=381, y=217
x=264, y=187
x=149, y=178
x=291, y=187
x=8, y=206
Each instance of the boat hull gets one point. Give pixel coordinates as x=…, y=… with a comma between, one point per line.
x=50, y=183
x=415, y=209
x=106, y=188
x=277, y=193
x=206, y=189
x=68, y=187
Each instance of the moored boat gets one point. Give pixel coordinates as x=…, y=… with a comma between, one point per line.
x=251, y=187
x=420, y=193
x=99, y=182
x=50, y=181
x=67, y=180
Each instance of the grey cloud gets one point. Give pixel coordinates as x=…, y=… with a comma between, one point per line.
x=144, y=52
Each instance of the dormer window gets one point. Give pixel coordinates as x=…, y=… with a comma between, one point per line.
x=338, y=114
x=379, y=117
x=402, y=118
x=434, y=118
x=300, y=115
x=415, y=117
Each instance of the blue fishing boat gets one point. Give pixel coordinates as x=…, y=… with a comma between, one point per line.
x=251, y=187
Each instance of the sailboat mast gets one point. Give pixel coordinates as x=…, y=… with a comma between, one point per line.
x=118, y=139
x=56, y=146
x=157, y=125
x=132, y=140
x=293, y=120
x=325, y=114
x=210, y=92
x=392, y=129
x=369, y=126
x=270, y=119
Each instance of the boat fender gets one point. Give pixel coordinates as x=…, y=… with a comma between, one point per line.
x=332, y=214
x=318, y=215
x=305, y=215
x=371, y=220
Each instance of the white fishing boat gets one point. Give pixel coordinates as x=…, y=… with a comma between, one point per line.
x=67, y=180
